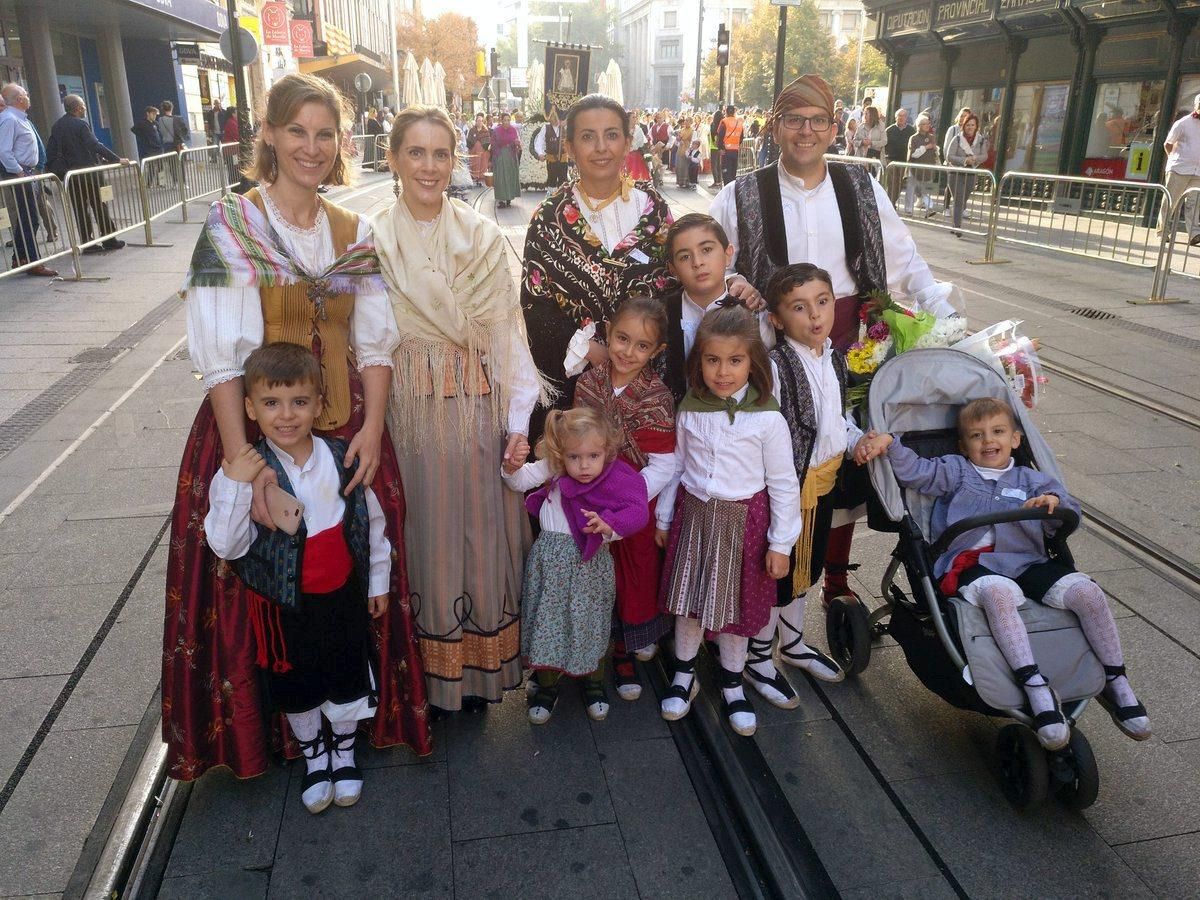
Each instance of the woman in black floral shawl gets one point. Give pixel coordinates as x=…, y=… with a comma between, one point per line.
x=592, y=243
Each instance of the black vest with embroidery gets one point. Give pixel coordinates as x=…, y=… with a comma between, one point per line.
x=273, y=565
x=796, y=401
x=762, y=227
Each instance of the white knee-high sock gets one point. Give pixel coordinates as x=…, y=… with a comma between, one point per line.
x=793, y=616
x=306, y=726
x=766, y=668
x=1086, y=599
x=689, y=634
x=1000, y=604
x=732, y=649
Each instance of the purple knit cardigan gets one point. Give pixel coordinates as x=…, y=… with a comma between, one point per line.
x=617, y=495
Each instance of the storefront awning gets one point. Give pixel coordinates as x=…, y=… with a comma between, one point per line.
x=345, y=67
x=177, y=20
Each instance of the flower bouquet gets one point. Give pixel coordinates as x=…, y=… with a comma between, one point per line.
x=886, y=329
x=1011, y=353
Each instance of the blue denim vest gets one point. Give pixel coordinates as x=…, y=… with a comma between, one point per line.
x=275, y=560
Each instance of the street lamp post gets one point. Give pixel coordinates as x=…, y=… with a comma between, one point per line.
x=239, y=90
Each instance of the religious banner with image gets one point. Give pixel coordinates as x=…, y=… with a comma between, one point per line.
x=566, y=76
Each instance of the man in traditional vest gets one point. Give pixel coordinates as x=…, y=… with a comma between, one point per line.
x=836, y=216
x=548, y=146
x=729, y=139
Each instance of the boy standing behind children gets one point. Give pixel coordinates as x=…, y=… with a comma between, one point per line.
x=699, y=254
x=810, y=385
x=312, y=590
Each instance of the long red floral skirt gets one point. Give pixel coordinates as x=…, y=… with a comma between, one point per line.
x=211, y=688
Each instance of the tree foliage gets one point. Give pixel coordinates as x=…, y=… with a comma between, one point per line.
x=810, y=48
x=451, y=39
x=591, y=23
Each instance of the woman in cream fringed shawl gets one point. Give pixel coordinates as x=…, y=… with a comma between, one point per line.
x=463, y=391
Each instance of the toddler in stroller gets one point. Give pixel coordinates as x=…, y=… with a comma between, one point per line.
x=998, y=566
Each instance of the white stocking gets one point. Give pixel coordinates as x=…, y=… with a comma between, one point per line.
x=1001, y=598
x=1085, y=598
x=732, y=649
x=766, y=668
x=306, y=726
x=689, y=634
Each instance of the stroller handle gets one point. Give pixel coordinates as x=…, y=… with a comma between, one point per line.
x=1068, y=518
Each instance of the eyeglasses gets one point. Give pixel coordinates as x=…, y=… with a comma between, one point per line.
x=818, y=124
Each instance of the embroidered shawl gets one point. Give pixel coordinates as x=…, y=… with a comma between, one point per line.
x=455, y=302
x=617, y=495
x=644, y=411
x=240, y=248
x=569, y=277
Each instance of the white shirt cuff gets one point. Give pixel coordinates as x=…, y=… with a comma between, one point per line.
x=577, y=350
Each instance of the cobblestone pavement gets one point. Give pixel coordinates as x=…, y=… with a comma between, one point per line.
x=891, y=785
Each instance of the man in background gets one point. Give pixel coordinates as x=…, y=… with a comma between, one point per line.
x=73, y=146
x=19, y=158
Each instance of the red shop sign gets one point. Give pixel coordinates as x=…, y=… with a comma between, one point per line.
x=275, y=24
x=302, y=38
x=1097, y=167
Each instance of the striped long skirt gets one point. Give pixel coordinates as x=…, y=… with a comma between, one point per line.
x=467, y=539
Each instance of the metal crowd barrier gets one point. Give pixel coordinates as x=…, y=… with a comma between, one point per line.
x=165, y=189
x=34, y=221
x=940, y=189
x=107, y=201
x=874, y=166
x=204, y=171
x=1176, y=254
x=1090, y=217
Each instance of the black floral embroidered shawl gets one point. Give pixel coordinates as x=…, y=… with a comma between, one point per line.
x=569, y=278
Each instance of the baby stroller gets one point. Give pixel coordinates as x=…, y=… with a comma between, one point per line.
x=946, y=640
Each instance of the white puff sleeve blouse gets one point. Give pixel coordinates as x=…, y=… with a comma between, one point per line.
x=224, y=324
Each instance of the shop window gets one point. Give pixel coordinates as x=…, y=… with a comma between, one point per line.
x=1035, y=134
x=917, y=102
x=1125, y=112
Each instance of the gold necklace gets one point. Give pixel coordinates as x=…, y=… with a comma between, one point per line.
x=596, y=206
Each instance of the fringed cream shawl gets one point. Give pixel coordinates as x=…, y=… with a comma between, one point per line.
x=457, y=309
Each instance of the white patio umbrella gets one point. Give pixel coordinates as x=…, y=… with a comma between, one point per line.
x=412, y=80
x=428, y=88
x=439, y=85
x=615, y=82
x=535, y=101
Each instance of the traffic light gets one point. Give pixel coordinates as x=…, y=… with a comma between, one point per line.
x=722, y=45
x=480, y=64
x=495, y=63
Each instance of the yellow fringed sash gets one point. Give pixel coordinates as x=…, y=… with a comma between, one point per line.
x=817, y=483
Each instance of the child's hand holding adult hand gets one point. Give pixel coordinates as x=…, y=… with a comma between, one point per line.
x=244, y=466
x=516, y=452
x=595, y=524
x=377, y=606
x=777, y=564
x=1048, y=502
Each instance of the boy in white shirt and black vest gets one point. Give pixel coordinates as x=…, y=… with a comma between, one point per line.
x=312, y=590
x=810, y=385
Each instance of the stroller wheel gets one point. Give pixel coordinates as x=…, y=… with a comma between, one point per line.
x=848, y=631
x=1021, y=767
x=1075, y=776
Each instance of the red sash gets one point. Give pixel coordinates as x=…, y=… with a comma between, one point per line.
x=845, y=322
x=327, y=562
